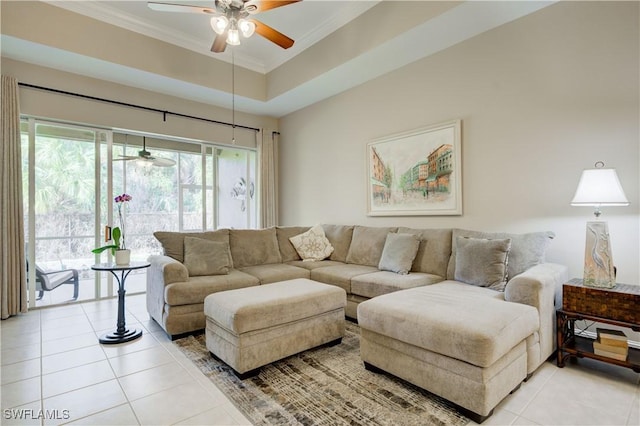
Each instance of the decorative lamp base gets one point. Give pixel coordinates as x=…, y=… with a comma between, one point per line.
x=115, y=337
x=598, y=263
x=123, y=257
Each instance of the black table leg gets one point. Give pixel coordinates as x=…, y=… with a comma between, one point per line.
x=122, y=334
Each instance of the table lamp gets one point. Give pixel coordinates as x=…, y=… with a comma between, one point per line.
x=599, y=187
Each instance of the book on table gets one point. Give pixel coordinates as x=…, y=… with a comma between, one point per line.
x=611, y=348
x=609, y=354
x=612, y=337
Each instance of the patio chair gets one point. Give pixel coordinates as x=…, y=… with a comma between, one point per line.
x=47, y=281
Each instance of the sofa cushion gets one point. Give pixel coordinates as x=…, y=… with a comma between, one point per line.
x=383, y=282
x=527, y=250
x=398, y=253
x=315, y=264
x=251, y=247
x=452, y=319
x=287, y=250
x=434, y=251
x=367, y=244
x=340, y=238
x=275, y=272
x=194, y=291
x=312, y=244
x=205, y=257
x=482, y=262
x=340, y=275
x=173, y=242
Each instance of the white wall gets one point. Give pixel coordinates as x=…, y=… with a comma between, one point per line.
x=540, y=99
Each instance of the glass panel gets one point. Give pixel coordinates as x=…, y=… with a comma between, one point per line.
x=64, y=205
x=232, y=188
x=153, y=207
x=253, y=196
x=191, y=191
x=210, y=176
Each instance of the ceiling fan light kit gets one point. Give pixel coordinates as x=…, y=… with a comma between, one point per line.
x=219, y=24
x=230, y=20
x=145, y=159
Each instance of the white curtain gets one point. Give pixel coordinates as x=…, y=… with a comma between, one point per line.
x=13, y=280
x=268, y=157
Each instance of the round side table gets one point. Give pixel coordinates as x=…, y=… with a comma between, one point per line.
x=122, y=334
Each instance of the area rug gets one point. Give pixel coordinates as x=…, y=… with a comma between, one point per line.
x=323, y=386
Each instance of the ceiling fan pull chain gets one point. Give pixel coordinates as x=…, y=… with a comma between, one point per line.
x=233, y=96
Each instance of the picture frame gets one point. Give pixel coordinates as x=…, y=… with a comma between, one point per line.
x=416, y=173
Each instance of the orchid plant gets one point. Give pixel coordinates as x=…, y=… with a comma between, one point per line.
x=116, y=235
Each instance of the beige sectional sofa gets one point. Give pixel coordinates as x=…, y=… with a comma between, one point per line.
x=464, y=314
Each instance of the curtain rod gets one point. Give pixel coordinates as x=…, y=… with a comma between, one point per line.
x=110, y=101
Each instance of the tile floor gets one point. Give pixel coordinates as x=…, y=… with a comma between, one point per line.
x=51, y=361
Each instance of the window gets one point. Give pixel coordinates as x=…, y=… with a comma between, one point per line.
x=69, y=184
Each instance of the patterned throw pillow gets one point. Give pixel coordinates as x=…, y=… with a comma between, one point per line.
x=313, y=244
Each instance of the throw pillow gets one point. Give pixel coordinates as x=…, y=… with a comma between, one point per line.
x=205, y=257
x=482, y=262
x=398, y=253
x=312, y=245
x=527, y=250
x=173, y=242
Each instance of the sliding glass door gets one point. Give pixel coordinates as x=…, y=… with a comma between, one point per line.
x=71, y=175
x=60, y=179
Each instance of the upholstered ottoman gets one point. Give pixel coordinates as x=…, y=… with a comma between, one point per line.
x=458, y=341
x=251, y=327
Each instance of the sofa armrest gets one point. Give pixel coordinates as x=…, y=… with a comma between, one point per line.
x=163, y=270
x=167, y=270
x=539, y=287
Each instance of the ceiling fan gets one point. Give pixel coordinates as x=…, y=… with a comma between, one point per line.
x=232, y=18
x=144, y=158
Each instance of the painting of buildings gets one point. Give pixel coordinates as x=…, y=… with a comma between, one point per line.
x=416, y=173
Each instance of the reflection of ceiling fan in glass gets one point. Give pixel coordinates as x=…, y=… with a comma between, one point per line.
x=230, y=18
x=145, y=159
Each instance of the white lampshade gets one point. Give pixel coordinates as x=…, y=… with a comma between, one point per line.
x=599, y=187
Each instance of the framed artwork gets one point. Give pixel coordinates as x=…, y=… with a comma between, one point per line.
x=416, y=173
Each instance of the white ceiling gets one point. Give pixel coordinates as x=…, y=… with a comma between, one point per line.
x=307, y=22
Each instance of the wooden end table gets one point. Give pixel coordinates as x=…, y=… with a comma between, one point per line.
x=122, y=334
x=617, y=306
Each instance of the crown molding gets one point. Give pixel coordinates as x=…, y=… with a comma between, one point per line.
x=129, y=22
x=105, y=13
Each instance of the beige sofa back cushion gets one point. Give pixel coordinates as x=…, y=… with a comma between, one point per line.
x=434, y=251
x=340, y=238
x=251, y=247
x=173, y=242
x=287, y=250
x=527, y=250
x=367, y=244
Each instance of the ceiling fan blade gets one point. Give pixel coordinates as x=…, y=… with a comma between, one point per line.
x=126, y=157
x=264, y=5
x=219, y=43
x=163, y=162
x=272, y=35
x=173, y=7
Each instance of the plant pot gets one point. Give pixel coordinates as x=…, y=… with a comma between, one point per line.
x=123, y=257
